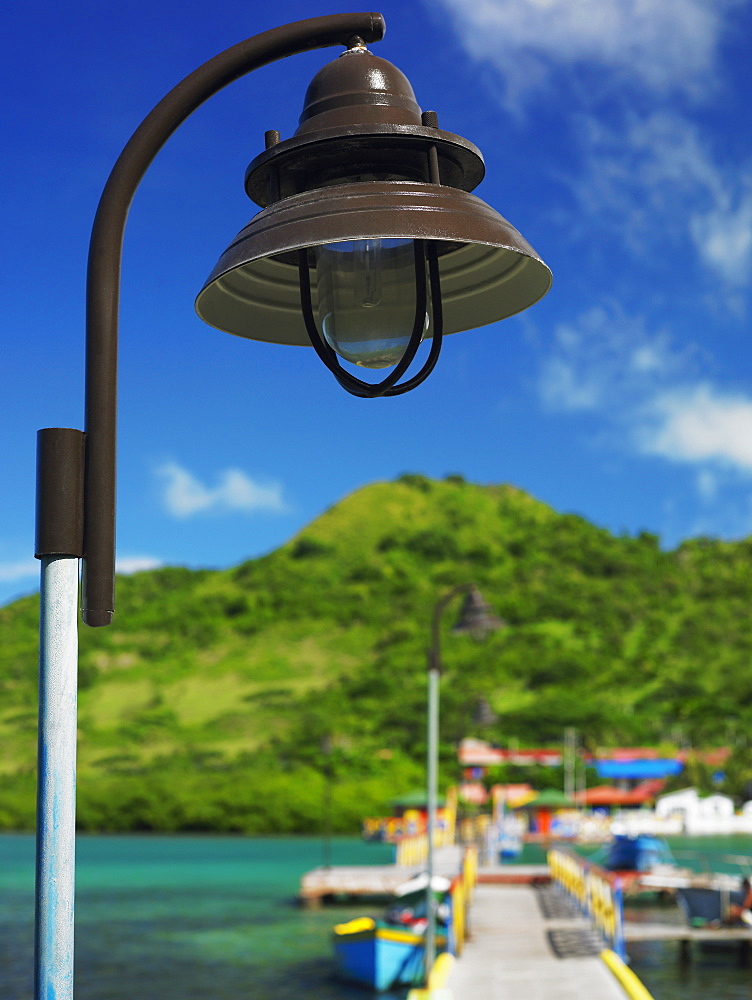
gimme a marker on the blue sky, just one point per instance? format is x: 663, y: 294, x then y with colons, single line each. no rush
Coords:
x: 617, y: 139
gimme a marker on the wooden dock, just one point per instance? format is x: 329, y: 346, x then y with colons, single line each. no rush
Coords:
x: 377, y: 881
x: 516, y: 951
x: 680, y: 932
x: 686, y: 937
x: 514, y: 875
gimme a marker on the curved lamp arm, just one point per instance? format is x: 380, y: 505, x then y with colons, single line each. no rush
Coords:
x: 103, y: 279
x: 434, y: 653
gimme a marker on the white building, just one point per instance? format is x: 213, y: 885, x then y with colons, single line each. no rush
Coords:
x: 713, y: 814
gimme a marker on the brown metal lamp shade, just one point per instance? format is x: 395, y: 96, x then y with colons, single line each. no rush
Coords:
x: 488, y: 270
x: 366, y: 165
x: 476, y: 617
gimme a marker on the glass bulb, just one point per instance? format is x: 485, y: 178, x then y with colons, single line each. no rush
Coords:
x: 366, y: 295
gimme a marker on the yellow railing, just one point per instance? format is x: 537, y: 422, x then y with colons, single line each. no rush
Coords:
x: 597, y: 893
x: 413, y: 823
x: 473, y: 829
x: 412, y: 851
x: 437, y: 980
x: 461, y: 892
x: 628, y: 981
x: 390, y: 828
x: 450, y: 814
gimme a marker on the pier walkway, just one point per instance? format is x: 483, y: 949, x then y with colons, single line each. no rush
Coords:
x: 372, y: 880
x: 524, y: 944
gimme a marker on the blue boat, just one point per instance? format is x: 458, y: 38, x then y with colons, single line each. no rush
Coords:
x: 636, y: 853
x: 703, y: 906
x: 387, y: 953
x: 379, y: 955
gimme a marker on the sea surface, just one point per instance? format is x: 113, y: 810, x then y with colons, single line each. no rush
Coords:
x: 713, y: 973
x: 215, y: 918
x: 185, y: 918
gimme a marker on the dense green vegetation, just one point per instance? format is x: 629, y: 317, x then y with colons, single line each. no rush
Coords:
x: 221, y: 699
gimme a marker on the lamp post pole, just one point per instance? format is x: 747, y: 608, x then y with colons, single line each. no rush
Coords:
x: 327, y: 745
x: 432, y: 767
x: 56, y: 808
x: 76, y: 485
x: 477, y: 619
x: 59, y: 544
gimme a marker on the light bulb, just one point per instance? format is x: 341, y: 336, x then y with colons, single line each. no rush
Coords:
x: 366, y: 299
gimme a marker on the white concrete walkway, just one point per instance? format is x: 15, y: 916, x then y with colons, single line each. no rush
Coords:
x: 508, y: 956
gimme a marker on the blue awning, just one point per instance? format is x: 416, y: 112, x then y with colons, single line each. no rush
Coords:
x: 638, y: 770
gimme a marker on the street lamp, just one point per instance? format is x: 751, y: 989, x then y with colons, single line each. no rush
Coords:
x: 478, y: 620
x: 373, y: 199
x: 368, y: 241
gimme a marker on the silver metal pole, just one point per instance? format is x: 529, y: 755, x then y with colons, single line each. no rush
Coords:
x: 477, y: 620
x: 432, y: 781
x: 570, y: 736
x: 56, y: 790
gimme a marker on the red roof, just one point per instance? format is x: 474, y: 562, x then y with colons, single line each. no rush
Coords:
x: 608, y: 795
x: 603, y: 795
x: 646, y: 790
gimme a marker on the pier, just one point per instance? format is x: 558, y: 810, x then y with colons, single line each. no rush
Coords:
x: 376, y: 881
x: 686, y: 937
x: 551, y: 931
x: 516, y: 950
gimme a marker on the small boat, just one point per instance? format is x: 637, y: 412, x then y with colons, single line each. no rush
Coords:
x: 389, y: 952
x: 704, y: 906
x: 380, y: 955
x: 640, y: 854
x: 510, y: 838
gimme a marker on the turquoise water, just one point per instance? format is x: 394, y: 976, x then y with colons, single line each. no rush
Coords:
x: 183, y: 918
x: 214, y: 918
x: 713, y: 973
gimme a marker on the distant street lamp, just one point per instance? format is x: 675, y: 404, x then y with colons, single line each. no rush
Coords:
x: 483, y: 714
x: 478, y: 620
x: 368, y: 242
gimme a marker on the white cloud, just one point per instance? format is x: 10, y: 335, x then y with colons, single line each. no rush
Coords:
x: 24, y: 569
x: 698, y: 425
x: 652, y: 177
x: 136, y: 564
x: 723, y: 235
x: 21, y: 569
x: 184, y: 495
x: 606, y: 360
x: 563, y: 387
x: 610, y: 363
x: 707, y: 484
x: 655, y: 179
x: 650, y: 398
x: 665, y: 46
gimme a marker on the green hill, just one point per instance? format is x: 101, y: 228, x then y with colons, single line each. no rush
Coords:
x: 208, y: 703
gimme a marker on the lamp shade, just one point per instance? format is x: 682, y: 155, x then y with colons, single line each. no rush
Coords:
x: 476, y: 617
x: 366, y: 164
x: 488, y: 270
